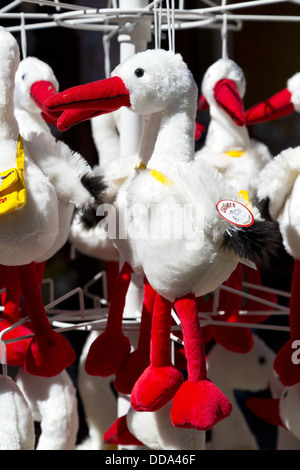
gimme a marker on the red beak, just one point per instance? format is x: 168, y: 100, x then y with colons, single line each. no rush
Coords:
x: 40, y: 92
x: 275, y: 107
x: 228, y: 98
x: 203, y: 104
x: 83, y: 102
x: 265, y: 408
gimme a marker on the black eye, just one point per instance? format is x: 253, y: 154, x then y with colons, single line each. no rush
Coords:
x: 139, y: 73
x: 23, y: 76
x: 262, y: 360
x: 285, y: 394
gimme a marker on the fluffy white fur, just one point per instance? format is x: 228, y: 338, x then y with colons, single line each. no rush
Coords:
x: 280, y: 182
x: 224, y: 135
x: 16, y: 421
x: 233, y: 371
x: 156, y: 431
x: 53, y: 404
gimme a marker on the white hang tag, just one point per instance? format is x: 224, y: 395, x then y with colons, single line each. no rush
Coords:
x: 235, y: 213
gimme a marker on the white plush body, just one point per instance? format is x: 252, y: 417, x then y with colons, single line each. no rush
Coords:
x: 16, y: 421
x: 156, y: 431
x: 193, y: 262
x: 280, y: 182
x: 233, y: 371
x: 98, y: 399
x: 53, y: 404
x: 223, y: 135
x: 27, y: 233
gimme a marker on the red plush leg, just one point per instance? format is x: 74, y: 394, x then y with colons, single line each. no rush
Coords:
x: 49, y: 353
x: 110, y: 350
x: 140, y: 358
x: 233, y: 338
x: 15, y: 351
x: 160, y: 381
x: 254, y: 277
x: 118, y: 433
x: 289, y: 372
x: 198, y: 404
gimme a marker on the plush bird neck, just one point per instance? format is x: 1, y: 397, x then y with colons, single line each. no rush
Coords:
x: 175, y: 139
x: 223, y: 134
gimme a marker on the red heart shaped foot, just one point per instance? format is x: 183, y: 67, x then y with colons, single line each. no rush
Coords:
x: 130, y: 371
x: 286, y: 366
x: 48, y: 354
x: 118, y: 433
x: 16, y: 351
x: 107, y: 354
x: 199, y: 405
x: 155, y: 387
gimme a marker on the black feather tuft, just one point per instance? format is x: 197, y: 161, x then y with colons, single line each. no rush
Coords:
x: 263, y: 206
x: 95, y: 185
x: 257, y: 243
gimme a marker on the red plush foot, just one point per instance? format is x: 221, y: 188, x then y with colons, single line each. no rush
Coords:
x: 17, y: 350
x: 288, y: 372
x: 130, y: 371
x: 118, y: 433
x: 235, y: 339
x: 48, y: 354
x: 107, y: 354
x: 199, y: 405
x: 155, y: 387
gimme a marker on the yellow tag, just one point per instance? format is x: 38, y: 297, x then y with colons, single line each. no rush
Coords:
x: 244, y: 194
x: 12, y: 185
x: 235, y: 153
x: 161, y: 178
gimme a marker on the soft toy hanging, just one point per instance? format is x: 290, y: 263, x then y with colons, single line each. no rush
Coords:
x: 229, y: 149
x: 278, y: 185
x: 29, y: 222
x: 53, y: 404
x: 16, y: 421
x: 233, y: 372
x: 151, y: 82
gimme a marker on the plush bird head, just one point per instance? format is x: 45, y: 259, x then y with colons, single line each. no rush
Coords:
x: 149, y: 82
x: 224, y: 86
x: 35, y: 82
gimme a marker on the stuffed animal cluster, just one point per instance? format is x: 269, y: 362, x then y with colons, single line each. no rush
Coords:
x: 185, y: 223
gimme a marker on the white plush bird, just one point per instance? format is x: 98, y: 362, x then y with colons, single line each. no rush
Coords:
x: 228, y: 146
x: 208, y: 248
x: 29, y: 221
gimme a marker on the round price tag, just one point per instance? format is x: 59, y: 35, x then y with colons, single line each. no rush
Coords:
x: 235, y: 213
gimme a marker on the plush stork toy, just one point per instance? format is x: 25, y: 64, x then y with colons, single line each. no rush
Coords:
x: 158, y: 81
x: 230, y: 150
x: 279, y: 185
x: 29, y: 222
